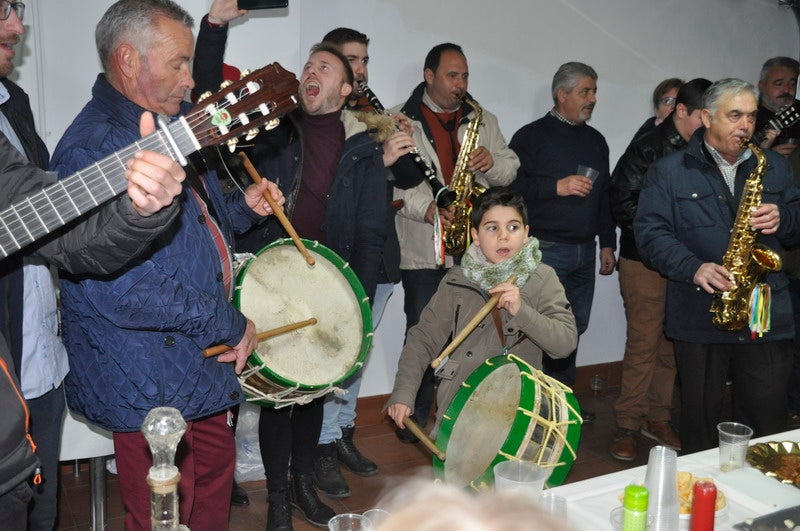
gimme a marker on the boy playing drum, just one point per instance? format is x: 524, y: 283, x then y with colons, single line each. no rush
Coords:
x: 532, y: 315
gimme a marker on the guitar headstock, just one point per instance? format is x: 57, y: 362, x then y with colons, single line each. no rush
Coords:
x: 787, y: 116
x: 243, y: 106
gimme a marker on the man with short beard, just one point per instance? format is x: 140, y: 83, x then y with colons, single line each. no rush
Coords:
x: 568, y: 210
x: 333, y: 176
x: 777, y: 87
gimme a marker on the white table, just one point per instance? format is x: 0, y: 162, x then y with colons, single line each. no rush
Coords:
x: 749, y: 492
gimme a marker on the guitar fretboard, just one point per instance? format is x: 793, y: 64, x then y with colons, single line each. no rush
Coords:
x: 43, y: 212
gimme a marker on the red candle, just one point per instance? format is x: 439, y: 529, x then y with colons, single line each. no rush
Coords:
x: 704, y: 499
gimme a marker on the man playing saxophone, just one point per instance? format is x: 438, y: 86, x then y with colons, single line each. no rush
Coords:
x: 440, y: 118
x: 687, y: 212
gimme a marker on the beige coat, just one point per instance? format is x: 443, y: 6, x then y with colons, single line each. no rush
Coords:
x: 415, y: 235
x: 544, y: 318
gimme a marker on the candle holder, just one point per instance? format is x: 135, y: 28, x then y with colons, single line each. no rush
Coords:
x: 163, y: 428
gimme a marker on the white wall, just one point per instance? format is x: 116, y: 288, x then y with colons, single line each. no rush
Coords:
x: 513, y: 48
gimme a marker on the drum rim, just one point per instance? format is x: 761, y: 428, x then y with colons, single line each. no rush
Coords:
x: 521, y: 427
x: 361, y: 297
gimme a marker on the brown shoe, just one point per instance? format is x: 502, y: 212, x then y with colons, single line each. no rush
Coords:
x: 624, y: 447
x: 662, y: 433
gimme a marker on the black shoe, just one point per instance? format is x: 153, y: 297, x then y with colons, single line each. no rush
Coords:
x: 405, y: 436
x: 279, y: 513
x: 327, y: 475
x: 588, y: 416
x: 305, y: 499
x: 350, y: 457
x: 239, y: 496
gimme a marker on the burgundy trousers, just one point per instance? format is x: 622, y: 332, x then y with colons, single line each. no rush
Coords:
x: 206, y: 457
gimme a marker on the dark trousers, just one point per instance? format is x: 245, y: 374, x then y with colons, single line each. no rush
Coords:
x: 419, y: 286
x: 206, y: 457
x: 760, y: 374
x: 794, y: 380
x: 289, y: 435
x: 575, y: 265
x: 14, y: 507
x: 47, y: 417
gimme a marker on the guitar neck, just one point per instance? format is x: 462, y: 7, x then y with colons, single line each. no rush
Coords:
x: 43, y: 212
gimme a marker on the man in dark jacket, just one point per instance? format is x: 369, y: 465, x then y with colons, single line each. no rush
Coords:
x: 135, y: 339
x: 568, y: 210
x: 777, y: 89
x: 39, y: 358
x: 687, y: 209
x: 333, y: 176
x: 648, y: 367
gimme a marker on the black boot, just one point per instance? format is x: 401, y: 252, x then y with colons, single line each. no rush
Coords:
x: 279, y: 514
x: 326, y: 472
x: 239, y: 496
x: 350, y: 457
x: 304, y: 497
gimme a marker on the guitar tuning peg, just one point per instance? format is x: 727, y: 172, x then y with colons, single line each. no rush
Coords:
x: 272, y: 124
x: 225, y: 84
x: 204, y: 95
x: 245, y: 73
x: 251, y: 134
x: 232, y: 144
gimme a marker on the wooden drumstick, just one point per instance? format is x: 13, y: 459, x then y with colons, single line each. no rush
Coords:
x: 277, y: 210
x: 219, y: 349
x: 422, y: 436
x: 482, y: 313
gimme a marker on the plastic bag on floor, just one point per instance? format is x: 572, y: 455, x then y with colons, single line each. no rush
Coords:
x: 249, y: 466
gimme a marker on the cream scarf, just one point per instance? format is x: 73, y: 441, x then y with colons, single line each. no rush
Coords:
x: 487, y: 275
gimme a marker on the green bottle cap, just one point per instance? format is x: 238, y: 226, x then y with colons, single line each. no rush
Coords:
x: 635, y: 498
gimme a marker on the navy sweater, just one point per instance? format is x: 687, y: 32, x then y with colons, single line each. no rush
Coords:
x: 549, y: 150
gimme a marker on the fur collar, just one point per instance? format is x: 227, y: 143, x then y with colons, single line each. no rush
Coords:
x: 487, y: 275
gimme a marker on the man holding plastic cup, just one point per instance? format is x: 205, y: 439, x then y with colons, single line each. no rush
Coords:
x: 564, y: 179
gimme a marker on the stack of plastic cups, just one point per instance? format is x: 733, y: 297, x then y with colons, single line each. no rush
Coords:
x: 661, y: 481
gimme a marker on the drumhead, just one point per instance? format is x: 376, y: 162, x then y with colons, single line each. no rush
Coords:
x: 278, y: 287
x: 504, y: 410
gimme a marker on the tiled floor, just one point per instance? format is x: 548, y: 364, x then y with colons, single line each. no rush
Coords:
x: 396, y: 461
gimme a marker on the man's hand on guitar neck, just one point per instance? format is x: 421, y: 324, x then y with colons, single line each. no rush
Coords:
x: 153, y: 179
x: 784, y: 149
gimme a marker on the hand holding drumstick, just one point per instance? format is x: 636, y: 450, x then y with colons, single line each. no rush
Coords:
x: 499, y: 292
x: 277, y: 211
x: 401, y: 415
x: 261, y: 336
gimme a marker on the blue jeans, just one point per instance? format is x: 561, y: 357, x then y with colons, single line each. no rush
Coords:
x: 575, y: 265
x: 340, y: 411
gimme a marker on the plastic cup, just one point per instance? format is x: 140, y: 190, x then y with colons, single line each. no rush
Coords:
x: 661, y: 480
x: 376, y: 516
x: 554, y: 504
x: 733, y: 441
x: 523, y: 476
x: 349, y: 522
x: 617, y: 515
x: 586, y: 171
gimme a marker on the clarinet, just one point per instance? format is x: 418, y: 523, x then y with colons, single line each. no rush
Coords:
x: 444, y: 196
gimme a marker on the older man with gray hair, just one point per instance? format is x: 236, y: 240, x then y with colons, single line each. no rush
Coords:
x: 687, y: 209
x: 564, y: 179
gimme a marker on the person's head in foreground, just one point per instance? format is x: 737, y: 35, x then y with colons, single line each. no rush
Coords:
x: 424, y: 506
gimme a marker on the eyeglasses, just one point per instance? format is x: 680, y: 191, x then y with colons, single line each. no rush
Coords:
x: 667, y: 100
x: 6, y: 7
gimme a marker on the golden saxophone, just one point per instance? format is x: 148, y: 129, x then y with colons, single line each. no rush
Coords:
x: 746, y: 261
x: 463, y: 184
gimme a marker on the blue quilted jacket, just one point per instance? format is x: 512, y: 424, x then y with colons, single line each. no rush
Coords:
x: 135, y: 338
